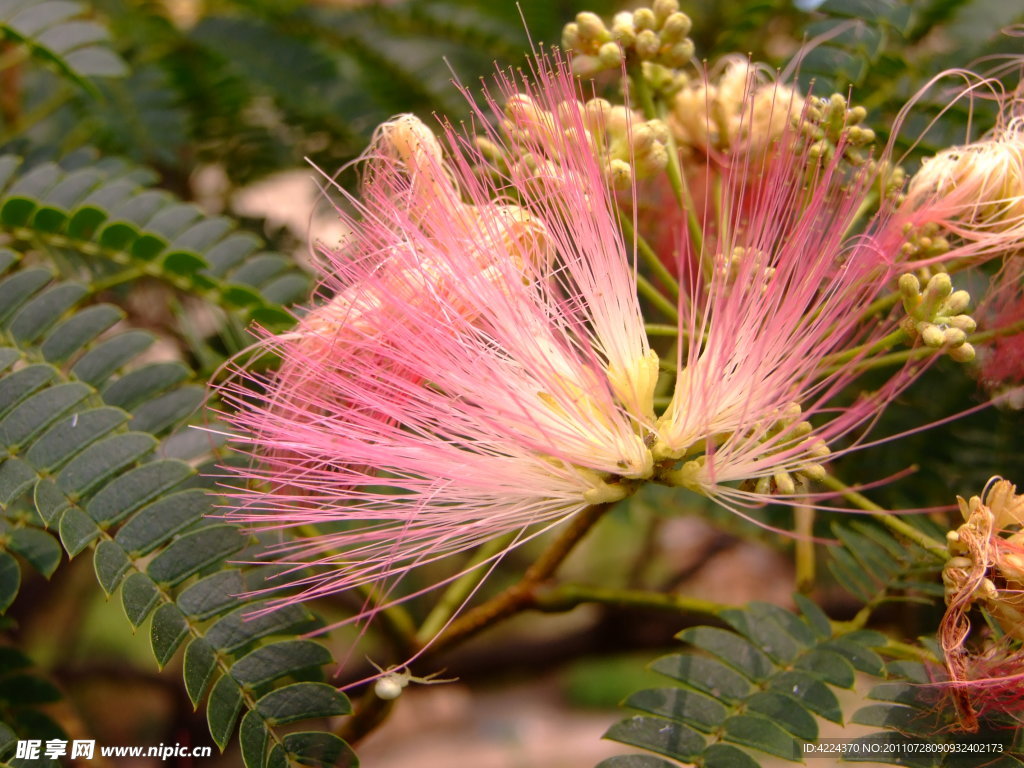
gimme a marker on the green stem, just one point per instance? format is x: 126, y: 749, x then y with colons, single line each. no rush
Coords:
x: 651, y: 111
x: 655, y: 329
x: 900, y: 650
x: 805, y: 561
x: 650, y: 258
x: 460, y: 589
x: 835, y: 361
x: 118, y: 278
x: 646, y: 289
x: 889, y: 520
x: 565, y: 597
x: 521, y: 596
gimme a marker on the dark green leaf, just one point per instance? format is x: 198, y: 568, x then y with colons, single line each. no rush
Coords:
x: 828, y: 666
x: 301, y: 701
x: 10, y: 580
x: 77, y: 530
x: 199, y: 665
x: 704, y: 674
x: 863, y: 659
x: 815, y: 617
x: 16, y: 477
x: 662, y: 736
x: 786, y: 711
x: 100, y: 362
x: 154, y: 525
x: 78, y: 330
x: 100, y: 461
x: 167, y: 410
x: 253, y: 738
x: 111, y: 564
x: 143, y: 383
x: 222, y: 709
x: 906, y: 720
x: 761, y: 733
x: 169, y: 630
x: 635, y: 761
x: 39, y: 548
x: 194, y: 551
x: 17, y: 386
x: 241, y: 627
x: 28, y: 689
x: 773, y: 630
x: 38, y: 412
x: 44, y: 310
x: 727, y: 756
x: 734, y: 650
x: 212, y: 594
x: 138, y: 596
x: 72, y: 434
x: 50, y: 501
x: 315, y: 748
x: 132, y: 490
x: 19, y: 287
x: 269, y: 662
x: 814, y: 694
x: 681, y: 705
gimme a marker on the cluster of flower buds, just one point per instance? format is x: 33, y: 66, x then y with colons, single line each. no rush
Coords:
x: 923, y: 242
x: 627, y: 145
x: 832, y: 124
x: 936, y: 314
x: 738, y: 112
x: 657, y: 34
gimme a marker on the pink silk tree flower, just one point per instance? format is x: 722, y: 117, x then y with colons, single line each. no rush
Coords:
x: 479, y: 366
x: 773, y: 291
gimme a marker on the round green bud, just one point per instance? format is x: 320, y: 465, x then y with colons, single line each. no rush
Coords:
x: 663, y: 9
x: 644, y: 18
x: 909, y: 285
x: 962, y: 354
x: 647, y: 44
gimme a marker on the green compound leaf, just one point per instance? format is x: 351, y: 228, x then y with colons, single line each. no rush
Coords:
x: 81, y: 424
x: 301, y: 701
x: 10, y: 580
x: 760, y: 686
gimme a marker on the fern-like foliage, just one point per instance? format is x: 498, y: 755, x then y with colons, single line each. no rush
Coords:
x: 759, y: 689
x: 876, y: 567
x: 760, y: 685
x: 55, y: 32
x: 80, y: 429
x: 113, y: 225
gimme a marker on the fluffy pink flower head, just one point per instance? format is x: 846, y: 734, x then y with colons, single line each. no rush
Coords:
x: 774, y: 289
x: 479, y: 367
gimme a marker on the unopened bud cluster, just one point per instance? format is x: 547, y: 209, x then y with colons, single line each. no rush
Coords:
x: 923, y: 242
x: 657, y: 34
x: 739, y: 112
x: 833, y: 125
x: 936, y: 314
x: 627, y: 145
